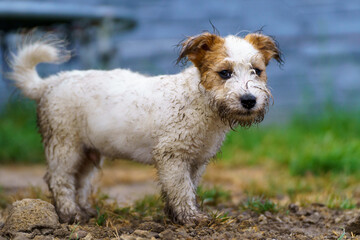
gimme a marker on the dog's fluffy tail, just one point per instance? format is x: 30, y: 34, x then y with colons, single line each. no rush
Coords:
x: 28, y: 56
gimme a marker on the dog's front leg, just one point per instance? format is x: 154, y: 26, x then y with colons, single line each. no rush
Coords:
x: 178, y: 189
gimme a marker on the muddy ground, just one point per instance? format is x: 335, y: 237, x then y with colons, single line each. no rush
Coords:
x: 230, y: 219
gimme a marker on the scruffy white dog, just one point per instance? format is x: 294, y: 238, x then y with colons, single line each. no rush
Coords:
x: 176, y: 122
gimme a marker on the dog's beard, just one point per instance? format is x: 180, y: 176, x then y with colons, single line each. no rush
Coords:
x: 235, y: 116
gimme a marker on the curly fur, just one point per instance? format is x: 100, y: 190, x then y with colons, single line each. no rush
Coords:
x: 176, y: 122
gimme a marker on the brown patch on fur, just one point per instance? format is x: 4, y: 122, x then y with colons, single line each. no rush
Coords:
x: 206, y: 51
x: 259, y: 63
x: 266, y: 45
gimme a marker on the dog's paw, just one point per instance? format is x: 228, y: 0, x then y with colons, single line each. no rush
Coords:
x: 82, y: 217
x: 78, y: 216
x: 91, y: 212
x: 66, y: 218
x: 190, y: 218
x: 198, y: 218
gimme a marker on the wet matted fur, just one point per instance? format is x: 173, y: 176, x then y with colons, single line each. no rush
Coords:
x: 176, y: 122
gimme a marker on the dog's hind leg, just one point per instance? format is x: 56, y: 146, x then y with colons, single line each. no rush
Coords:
x: 88, y: 169
x: 63, y: 161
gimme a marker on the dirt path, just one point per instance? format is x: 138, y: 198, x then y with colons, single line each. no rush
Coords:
x: 125, y: 182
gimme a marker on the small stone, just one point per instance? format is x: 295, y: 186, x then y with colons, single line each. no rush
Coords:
x: 268, y: 214
x: 47, y: 231
x: 22, y: 236
x: 167, y: 234
x: 144, y: 234
x: 262, y: 219
x: 182, y: 233
x: 127, y: 230
x: 36, y: 232
x: 151, y: 226
x: 78, y: 234
x: 127, y: 237
x: 353, y: 225
x: 314, y: 218
x: 41, y: 237
x: 279, y: 219
x: 318, y: 205
x: 88, y: 237
x: 61, y: 232
x: 338, y: 219
x: 81, y: 234
x: 293, y: 208
x: 190, y: 225
x: 148, y: 219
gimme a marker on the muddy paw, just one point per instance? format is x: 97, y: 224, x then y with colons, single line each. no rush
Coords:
x: 91, y: 212
x: 194, y: 218
x: 82, y: 217
x: 66, y: 218
x: 77, y: 216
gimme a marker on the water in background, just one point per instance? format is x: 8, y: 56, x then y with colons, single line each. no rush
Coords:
x: 320, y: 40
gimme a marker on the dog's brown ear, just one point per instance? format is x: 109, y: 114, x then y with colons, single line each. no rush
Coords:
x: 195, y: 48
x: 266, y: 45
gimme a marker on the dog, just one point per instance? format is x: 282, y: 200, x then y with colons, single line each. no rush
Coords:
x: 175, y: 122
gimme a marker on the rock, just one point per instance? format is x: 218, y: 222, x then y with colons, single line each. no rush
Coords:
x: 30, y: 214
x: 314, y: 218
x: 78, y: 234
x: 167, y: 235
x: 127, y: 237
x: 148, y: 218
x: 145, y: 234
x: 262, y: 219
x: 61, y: 232
x: 293, y: 208
x: 43, y: 237
x: 22, y: 236
x: 268, y: 214
x: 338, y: 219
x: 88, y: 237
x: 353, y: 226
x: 181, y: 232
x: 46, y: 231
x: 36, y: 232
x: 151, y: 226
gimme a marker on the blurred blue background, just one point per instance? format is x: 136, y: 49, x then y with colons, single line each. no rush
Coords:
x: 320, y: 40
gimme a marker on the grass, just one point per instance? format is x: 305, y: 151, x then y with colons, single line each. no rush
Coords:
x: 19, y: 139
x: 150, y: 205
x: 212, y: 196
x: 259, y: 205
x: 315, y: 144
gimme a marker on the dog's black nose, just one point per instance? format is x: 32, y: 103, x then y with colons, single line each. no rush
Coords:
x: 248, y: 101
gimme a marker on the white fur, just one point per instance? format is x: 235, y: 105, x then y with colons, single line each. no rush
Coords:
x: 164, y: 120
x: 242, y: 53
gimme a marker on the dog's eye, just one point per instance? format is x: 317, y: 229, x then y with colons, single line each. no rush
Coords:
x: 225, y: 74
x: 257, y: 71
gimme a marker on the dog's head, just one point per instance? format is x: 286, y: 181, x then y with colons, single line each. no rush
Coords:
x: 233, y: 73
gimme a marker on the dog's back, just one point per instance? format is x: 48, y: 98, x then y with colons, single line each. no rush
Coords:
x: 178, y: 122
